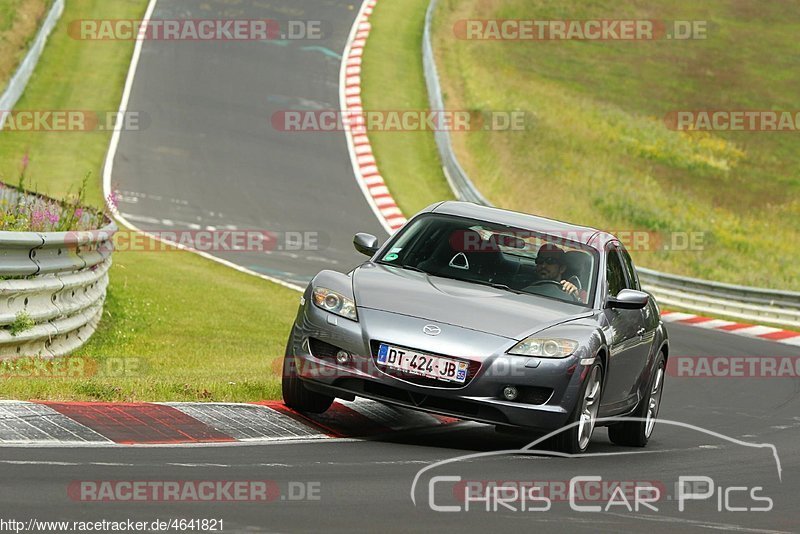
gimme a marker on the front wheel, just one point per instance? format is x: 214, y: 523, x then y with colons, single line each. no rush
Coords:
x: 575, y: 439
x: 637, y: 432
x: 295, y: 393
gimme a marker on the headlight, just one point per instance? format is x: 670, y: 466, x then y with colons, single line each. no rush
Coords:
x: 334, y: 302
x: 545, y: 347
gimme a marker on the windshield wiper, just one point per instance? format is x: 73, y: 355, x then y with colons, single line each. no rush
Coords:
x: 497, y: 286
x: 414, y: 268
x: 401, y: 266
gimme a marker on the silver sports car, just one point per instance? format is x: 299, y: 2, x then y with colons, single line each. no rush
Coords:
x: 488, y: 315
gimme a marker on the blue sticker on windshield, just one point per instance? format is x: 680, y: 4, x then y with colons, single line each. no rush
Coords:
x: 390, y: 257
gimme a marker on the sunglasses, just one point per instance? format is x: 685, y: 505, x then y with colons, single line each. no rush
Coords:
x: 548, y: 260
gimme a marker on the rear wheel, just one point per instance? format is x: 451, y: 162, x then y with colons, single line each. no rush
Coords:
x: 637, y: 432
x: 295, y: 393
x: 576, y: 438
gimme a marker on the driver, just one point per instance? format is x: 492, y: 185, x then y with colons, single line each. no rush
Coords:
x: 550, y: 265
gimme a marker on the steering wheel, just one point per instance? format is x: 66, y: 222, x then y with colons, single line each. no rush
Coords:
x: 542, y: 282
x: 556, y: 284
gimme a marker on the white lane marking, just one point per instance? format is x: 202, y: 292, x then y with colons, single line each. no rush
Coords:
x: 108, y: 169
x: 111, y: 444
x: 37, y: 462
x: 142, y: 218
x: 123, y: 105
x: 280, y: 464
x: 697, y: 523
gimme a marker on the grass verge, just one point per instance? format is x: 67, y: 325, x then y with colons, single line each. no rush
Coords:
x: 184, y: 328
x: 597, y: 151
x: 393, y: 80
x: 19, y: 22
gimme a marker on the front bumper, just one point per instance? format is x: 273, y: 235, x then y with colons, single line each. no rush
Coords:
x: 554, y: 383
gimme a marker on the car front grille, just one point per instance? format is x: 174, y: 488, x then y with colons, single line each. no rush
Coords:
x: 472, y: 370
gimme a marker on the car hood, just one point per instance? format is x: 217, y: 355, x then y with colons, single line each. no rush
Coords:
x: 443, y: 300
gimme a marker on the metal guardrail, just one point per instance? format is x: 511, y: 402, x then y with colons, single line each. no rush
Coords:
x: 459, y: 182
x: 25, y: 70
x: 717, y: 298
x: 749, y: 303
x: 56, y: 282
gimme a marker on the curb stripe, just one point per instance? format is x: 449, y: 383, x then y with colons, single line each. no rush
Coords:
x: 127, y: 423
x: 695, y: 320
x: 366, y: 171
x: 781, y: 334
x: 767, y: 333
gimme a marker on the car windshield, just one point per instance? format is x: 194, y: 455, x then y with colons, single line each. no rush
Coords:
x: 511, y: 259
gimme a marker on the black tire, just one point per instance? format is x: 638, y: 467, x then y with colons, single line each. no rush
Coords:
x: 573, y: 440
x: 637, y: 432
x: 295, y: 393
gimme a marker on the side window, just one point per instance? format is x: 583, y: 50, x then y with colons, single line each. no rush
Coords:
x: 627, y: 263
x: 615, y: 273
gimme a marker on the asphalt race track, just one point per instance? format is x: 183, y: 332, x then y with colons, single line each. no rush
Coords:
x: 210, y: 158
x: 365, y: 485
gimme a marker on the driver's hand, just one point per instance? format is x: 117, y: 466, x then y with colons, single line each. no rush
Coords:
x: 569, y: 287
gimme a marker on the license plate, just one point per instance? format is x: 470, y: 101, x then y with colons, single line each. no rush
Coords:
x: 426, y: 365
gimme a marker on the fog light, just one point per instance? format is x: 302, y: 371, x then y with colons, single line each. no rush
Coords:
x: 510, y: 393
x: 342, y: 357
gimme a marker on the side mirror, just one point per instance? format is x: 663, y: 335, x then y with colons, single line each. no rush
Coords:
x: 628, y: 299
x: 366, y: 244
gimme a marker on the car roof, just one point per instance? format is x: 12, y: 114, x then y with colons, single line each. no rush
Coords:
x: 581, y: 234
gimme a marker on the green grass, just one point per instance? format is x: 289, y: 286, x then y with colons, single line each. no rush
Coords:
x: 71, y: 75
x: 189, y: 329
x: 596, y: 150
x: 393, y: 80
x: 194, y: 329
x: 19, y: 22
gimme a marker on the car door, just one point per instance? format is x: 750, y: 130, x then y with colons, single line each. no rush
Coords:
x: 650, y: 313
x: 628, y: 353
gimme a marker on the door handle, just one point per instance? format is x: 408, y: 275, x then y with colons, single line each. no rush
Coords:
x: 640, y: 332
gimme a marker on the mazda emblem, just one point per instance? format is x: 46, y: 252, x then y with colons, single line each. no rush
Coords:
x: 431, y: 330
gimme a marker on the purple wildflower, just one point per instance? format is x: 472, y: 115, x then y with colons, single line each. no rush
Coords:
x: 113, y: 199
